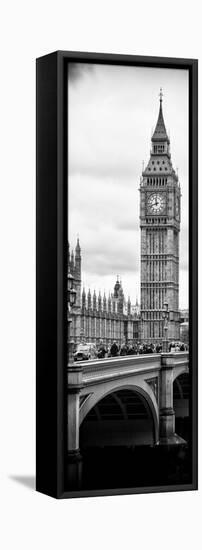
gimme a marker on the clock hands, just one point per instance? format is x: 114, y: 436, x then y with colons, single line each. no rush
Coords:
x: 157, y: 203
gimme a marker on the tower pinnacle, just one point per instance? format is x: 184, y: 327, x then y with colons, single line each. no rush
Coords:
x: 161, y: 95
x: 77, y: 249
x: 160, y: 133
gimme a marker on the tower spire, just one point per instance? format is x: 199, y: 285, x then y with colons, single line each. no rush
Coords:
x: 78, y: 248
x: 160, y: 133
x: 161, y: 95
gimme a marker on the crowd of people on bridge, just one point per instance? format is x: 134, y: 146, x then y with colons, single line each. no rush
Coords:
x: 91, y: 351
x: 136, y: 349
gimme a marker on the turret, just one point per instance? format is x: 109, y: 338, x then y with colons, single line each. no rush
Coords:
x: 99, y: 302
x: 77, y: 249
x: 109, y: 304
x: 160, y: 139
x: 89, y: 299
x: 104, y: 303
x: 159, y: 167
x: 78, y: 258
x: 117, y: 287
x: 120, y: 300
x: 94, y: 301
x: 83, y: 299
x: 72, y: 262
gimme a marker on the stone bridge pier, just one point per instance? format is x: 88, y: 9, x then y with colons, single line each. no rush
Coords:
x: 167, y: 435
x: 149, y: 376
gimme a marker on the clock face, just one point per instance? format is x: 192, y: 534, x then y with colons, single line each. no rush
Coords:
x: 156, y: 203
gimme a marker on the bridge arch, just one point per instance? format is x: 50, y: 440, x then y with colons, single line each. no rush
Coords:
x: 180, y: 369
x: 181, y: 395
x: 144, y: 392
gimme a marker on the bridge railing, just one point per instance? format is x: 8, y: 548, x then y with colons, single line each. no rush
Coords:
x: 127, y: 360
x: 135, y: 360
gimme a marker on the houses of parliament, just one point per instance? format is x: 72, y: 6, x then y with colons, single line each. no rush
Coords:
x: 96, y: 317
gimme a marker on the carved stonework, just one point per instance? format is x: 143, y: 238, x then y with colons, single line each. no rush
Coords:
x: 154, y: 385
x: 83, y: 399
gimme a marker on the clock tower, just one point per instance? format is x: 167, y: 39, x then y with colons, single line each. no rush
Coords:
x: 160, y: 226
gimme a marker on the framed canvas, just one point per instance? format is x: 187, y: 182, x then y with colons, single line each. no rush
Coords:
x: 116, y: 375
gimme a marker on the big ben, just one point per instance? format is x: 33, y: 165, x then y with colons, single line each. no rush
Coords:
x: 160, y: 197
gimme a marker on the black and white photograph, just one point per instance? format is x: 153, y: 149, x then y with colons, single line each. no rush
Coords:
x: 129, y: 382
x: 100, y: 393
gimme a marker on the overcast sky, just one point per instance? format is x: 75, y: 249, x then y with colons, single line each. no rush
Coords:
x: 112, y: 111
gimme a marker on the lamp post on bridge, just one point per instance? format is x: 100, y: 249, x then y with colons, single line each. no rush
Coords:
x: 142, y: 326
x: 166, y: 318
x: 74, y: 380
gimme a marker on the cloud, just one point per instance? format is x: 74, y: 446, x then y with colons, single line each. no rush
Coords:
x: 128, y: 225
x: 78, y: 70
x: 95, y: 203
x: 112, y: 256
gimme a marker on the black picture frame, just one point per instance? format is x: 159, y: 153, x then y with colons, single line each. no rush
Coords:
x: 51, y: 274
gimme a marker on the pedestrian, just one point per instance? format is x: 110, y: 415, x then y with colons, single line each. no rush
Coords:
x: 123, y: 350
x: 135, y: 349
x: 130, y: 350
x: 101, y: 351
x: 114, y: 349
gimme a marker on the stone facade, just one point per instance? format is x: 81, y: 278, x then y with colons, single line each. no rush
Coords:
x: 160, y: 225
x: 95, y: 317
x: 74, y: 260
x: 184, y: 326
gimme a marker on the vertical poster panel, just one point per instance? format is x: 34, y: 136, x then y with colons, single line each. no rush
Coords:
x: 128, y: 277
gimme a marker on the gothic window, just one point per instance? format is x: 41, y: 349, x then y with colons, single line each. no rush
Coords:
x: 160, y: 148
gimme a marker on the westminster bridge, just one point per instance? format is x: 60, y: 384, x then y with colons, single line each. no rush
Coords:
x: 129, y: 400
